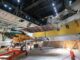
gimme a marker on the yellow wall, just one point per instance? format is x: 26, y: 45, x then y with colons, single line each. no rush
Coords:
x: 73, y: 29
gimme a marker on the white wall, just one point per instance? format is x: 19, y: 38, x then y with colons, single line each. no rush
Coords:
x: 66, y: 37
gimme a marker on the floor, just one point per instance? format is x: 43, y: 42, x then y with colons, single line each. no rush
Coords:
x: 50, y: 54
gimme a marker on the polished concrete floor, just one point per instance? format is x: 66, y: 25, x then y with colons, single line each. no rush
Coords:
x: 50, y: 54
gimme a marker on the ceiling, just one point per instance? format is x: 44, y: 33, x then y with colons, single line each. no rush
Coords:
x: 34, y: 10
x: 39, y: 28
x: 8, y: 20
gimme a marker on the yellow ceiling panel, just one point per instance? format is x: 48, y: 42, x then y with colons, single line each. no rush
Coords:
x: 73, y: 29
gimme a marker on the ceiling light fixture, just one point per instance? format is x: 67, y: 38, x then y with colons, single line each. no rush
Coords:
x: 26, y: 17
x: 55, y: 9
x: 18, y: 1
x: 70, y: 3
x: 10, y: 8
x: 53, y: 4
x: 5, y: 5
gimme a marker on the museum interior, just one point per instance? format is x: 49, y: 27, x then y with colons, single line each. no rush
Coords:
x: 39, y: 29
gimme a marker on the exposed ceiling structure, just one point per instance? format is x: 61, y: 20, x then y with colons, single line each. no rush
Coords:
x: 35, y: 11
x: 39, y: 28
x: 38, y: 15
x: 9, y: 20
